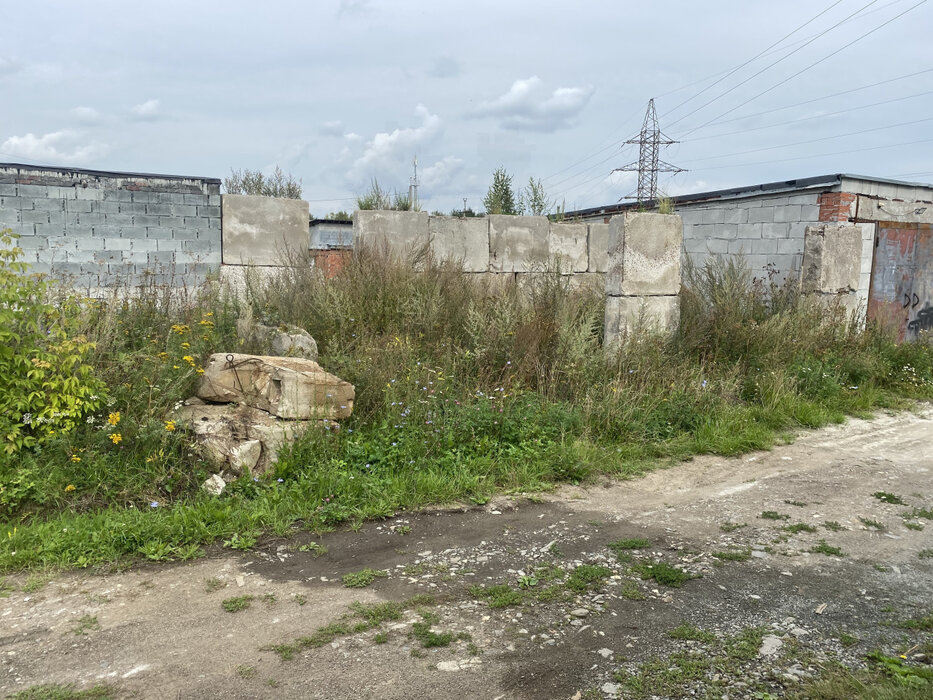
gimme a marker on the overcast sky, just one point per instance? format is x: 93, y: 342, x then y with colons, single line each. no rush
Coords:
x: 338, y: 92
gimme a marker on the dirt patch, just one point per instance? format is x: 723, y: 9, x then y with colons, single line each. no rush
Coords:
x: 533, y: 599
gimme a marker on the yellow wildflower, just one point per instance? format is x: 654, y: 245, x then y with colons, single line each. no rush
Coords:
x: 75, y: 458
x: 114, y: 418
x: 170, y: 426
x: 186, y: 345
x: 163, y: 355
x: 115, y: 438
x: 69, y: 488
x: 200, y: 370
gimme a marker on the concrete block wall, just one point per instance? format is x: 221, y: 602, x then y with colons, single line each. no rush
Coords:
x: 496, y: 244
x: 96, y: 229
x: 768, y: 232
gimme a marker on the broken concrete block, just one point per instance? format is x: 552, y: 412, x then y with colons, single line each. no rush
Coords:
x: 402, y: 232
x: 625, y: 315
x: 215, y: 485
x: 283, y: 341
x: 287, y: 387
x: 245, y: 456
x: 644, y: 254
x: 263, y: 230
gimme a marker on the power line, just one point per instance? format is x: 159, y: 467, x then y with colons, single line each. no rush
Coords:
x: 823, y: 138
x: 770, y: 65
x: 815, y: 63
x: 752, y: 59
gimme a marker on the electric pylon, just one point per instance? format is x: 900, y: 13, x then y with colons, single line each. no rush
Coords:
x: 649, y: 164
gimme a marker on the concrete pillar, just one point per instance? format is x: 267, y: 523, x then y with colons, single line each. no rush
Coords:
x: 832, y: 257
x: 643, y: 276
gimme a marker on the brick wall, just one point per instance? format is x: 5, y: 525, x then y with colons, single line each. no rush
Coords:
x: 97, y: 229
x: 836, y: 206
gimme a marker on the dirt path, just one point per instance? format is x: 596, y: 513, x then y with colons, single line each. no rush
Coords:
x: 161, y: 631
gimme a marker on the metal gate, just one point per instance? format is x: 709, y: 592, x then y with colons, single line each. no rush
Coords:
x: 901, y: 292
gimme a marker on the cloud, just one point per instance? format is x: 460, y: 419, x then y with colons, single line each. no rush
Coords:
x: 444, y: 67
x: 9, y: 66
x: 528, y: 106
x: 332, y: 128
x: 389, y: 150
x: 86, y: 115
x: 439, y: 175
x: 146, y: 111
x: 352, y: 7
x: 63, y: 146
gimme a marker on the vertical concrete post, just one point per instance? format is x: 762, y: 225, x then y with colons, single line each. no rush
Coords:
x: 643, y: 276
x: 832, y: 256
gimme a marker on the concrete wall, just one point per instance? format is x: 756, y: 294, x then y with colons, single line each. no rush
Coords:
x: 263, y: 230
x: 98, y: 229
x: 495, y: 244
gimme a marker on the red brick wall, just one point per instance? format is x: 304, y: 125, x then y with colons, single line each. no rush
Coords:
x: 331, y: 262
x: 834, y: 206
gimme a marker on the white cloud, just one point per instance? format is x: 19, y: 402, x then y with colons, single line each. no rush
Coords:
x: 9, y: 66
x: 352, y: 7
x: 529, y: 106
x: 86, y: 115
x: 63, y: 146
x: 147, y: 110
x: 389, y: 150
x: 331, y: 128
x: 439, y: 175
x: 352, y: 137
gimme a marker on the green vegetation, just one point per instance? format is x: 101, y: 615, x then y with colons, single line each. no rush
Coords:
x: 55, y: 691
x: 892, y: 498
x: 498, y: 596
x: 773, y: 515
x: 500, y: 199
x: 254, y: 182
x: 462, y: 392
x: 237, y: 603
x: 797, y: 528
x: 731, y: 527
x: 626, y: 545
x: 925, y: 513
x: 86, y: 624
x: 872, y: 524
x: 924, y: 623
x: 833, y: 526
x: 663, y: 573
x: 692, y: 633
x: 362, y: 578
x: 587, y: 576
x: 734, y: 555
x: 822, y: 547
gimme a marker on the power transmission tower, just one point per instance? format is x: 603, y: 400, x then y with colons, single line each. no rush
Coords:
x: 649, y: 164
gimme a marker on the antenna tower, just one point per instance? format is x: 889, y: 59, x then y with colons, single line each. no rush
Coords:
x: 413, y: 186
x: 649, y: 164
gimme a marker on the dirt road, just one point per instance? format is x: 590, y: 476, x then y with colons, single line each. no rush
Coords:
x: 800, y: 557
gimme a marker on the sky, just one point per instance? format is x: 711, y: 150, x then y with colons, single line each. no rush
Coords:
x: 339, y: 92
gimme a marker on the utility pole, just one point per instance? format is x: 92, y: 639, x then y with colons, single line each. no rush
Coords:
x: 413, y: 186
x: 649, y: 141
x: 463, y: 213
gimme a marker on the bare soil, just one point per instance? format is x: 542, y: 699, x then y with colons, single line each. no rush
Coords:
x: 159, y: 631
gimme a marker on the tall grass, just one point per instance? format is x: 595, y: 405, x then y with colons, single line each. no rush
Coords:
x: 465, y: 386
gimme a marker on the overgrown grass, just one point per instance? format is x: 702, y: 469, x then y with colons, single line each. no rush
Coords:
x: 463, y: 390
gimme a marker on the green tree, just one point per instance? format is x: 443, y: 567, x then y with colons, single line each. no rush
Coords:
x: 379, y: 198
x: 499, y: 198
x: 253, y: 182
x: 534, y: 200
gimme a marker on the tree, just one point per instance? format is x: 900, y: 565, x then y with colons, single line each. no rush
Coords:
x: 253, y: 182
x: 534, y: 200
x: 499, y: 198
x: 379, y: 198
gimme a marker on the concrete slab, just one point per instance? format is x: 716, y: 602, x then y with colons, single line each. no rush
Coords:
x: 403, y: 232
x: 518, y: 243
x: 599, y: 247
x: 627, y: 315
x: 567, y: 244
x: 831, y: 259
x: 263, y: 230
x: 644, y: 254
x: 887, y: 210
x: 462, y: 239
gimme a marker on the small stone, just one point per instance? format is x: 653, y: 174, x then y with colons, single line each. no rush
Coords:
x: 605, y: 653
x: 612, y: 689
x: 215, y: 485
x: 448, y: 666
x: 759, y: 555
x: 579, y: 612
x: 770, y: 646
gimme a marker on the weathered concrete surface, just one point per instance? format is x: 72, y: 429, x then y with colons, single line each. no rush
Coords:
x: 239, y: 439
x: 831, y: 259
x: 644, y: 254
x: 263, y: 230
x: 287, y: 387
x: 625, y: 315
x: 567, y: 244
x: 465, y: 240
x: 598, y: 247
x: 887, y: 210
x: 402, y: 232
x: 518, y: 243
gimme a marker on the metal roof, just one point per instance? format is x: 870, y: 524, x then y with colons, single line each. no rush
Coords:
x: 106, y: 173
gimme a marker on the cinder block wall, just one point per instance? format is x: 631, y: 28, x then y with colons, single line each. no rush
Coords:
x: 100, y: 229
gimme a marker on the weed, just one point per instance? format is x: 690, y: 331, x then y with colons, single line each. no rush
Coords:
x: 526, y: 582
x: 630, y: 591
x: 428, y: 638
x: 797, y: 528
x: 891, y: 498
x: 734, y: 555
x: 300, y: 599
x: 55, y: 691
x: 880, y: 567
x: 313, y: 547
x: 822, y: 547
x: 473, y: 650
x: 35, y: 583
x: 689, y: 632
x: 731, y: 527
x: 925, y: 513
x: 241, y: 542
x: 269, y: 599
x: 212, y: 585
x: 872, y: 524
x: 913, y: 526
x: 833, y: 526
x: 499, y: 596
x: 848, y: 640
x: 86, y: 624
x: 773, y: 515
x: 628, y: 545
x: 5, y: 588
x: 587, y: 576
x: 362, y: 578
x: 245, y: 671
x: 237, y: 603
x: 555, y: 550
x: 662, y: 573
x: 925, y: 554
x: 798, y: 504
x: 403, y: 530
x: 380, y: 637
